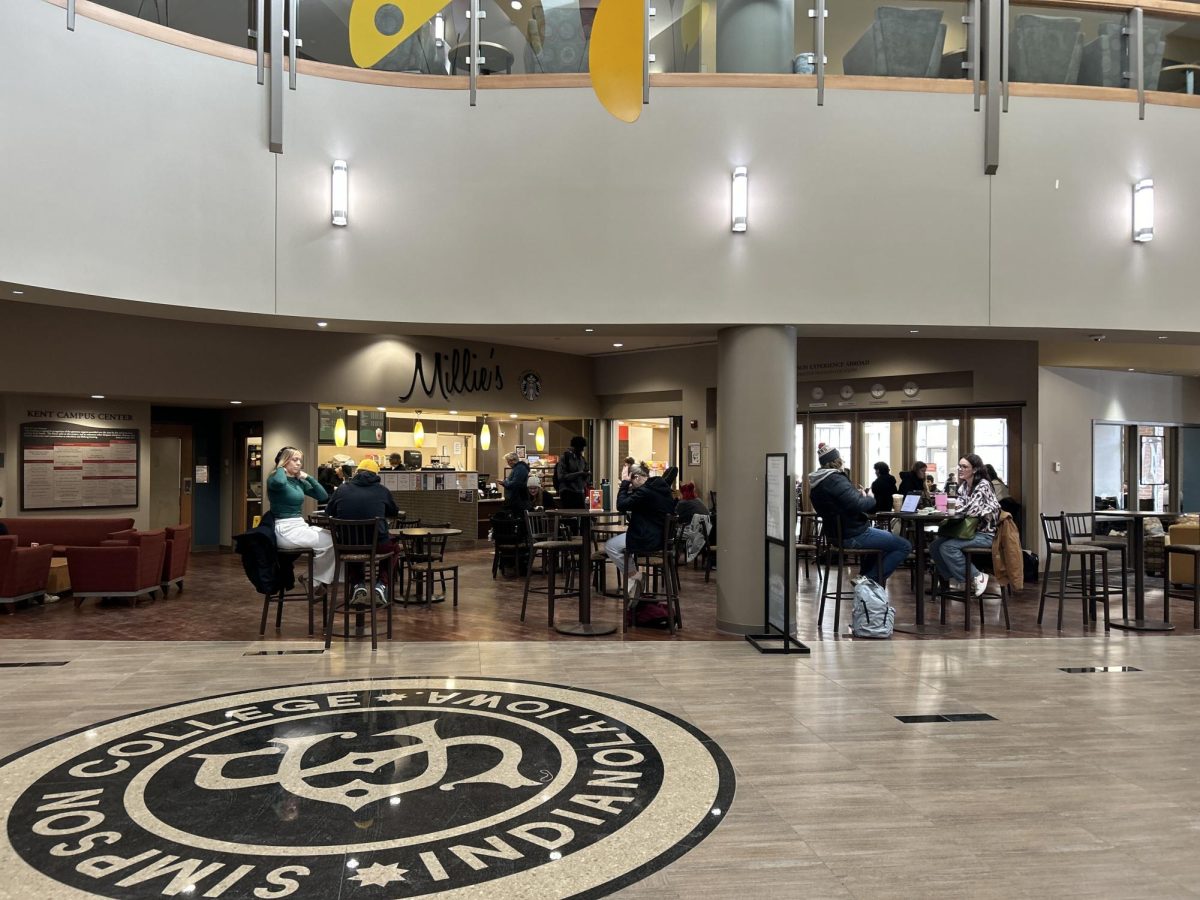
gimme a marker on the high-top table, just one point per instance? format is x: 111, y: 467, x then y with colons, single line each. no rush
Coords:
x: 1137, y: 550
x: 920, y: 519
x: 585, y: 626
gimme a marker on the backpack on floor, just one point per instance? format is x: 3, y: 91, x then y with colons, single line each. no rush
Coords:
x: 651, y: 614
x: 1031, y: 565
x: 873, y: 617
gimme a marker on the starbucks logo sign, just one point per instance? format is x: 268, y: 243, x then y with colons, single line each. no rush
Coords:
x: 397, y: 787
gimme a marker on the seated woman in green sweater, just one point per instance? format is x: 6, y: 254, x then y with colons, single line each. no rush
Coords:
x: 287, y: 487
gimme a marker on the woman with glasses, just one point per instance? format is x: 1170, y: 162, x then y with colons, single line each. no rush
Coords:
x: 976, y: 500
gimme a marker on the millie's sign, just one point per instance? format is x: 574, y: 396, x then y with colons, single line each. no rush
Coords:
x: 459, y: 372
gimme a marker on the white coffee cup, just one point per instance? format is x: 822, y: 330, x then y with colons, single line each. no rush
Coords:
x: 897, y: 502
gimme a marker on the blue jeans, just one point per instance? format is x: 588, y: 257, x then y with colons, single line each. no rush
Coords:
x: 947, y: 554
x: 895, y: 551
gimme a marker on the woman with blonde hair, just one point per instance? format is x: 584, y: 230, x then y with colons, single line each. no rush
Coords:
x: 287, y: 487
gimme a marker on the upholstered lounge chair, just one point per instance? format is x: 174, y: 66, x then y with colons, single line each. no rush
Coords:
x: 900, y: 42
x: 1046, y: 49
x: 130, y: 566
x: 1103, y: 62
x: 23, y: 570
x: 175, y: 560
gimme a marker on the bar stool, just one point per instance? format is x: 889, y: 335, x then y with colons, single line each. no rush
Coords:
x: 806, y: 540
x: 1169, y: 593
x: 659, y: 562
x: 981, y: 559
x: 845, y: 555
x: 1058, y: 541
x: 356, y: 541
x: 282, y: 596
x: 542, y: 538
x: 1082, y: 528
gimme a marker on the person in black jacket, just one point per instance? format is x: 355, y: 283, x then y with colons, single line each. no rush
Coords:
x: 835, y: 499
x: 649, y: 503
x: 365, y: 497
x: 913, y: 481
x: 883, y: 487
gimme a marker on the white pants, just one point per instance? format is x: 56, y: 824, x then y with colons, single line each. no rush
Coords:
x: 615, y: 548
x: 296, y: 534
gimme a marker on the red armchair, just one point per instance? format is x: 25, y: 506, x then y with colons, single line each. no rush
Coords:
x: 23, y: 570
x: 127, y: 567
x: 179, y: 546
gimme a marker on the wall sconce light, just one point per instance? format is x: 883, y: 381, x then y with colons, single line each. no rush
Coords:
x: 539, y: 437
x: 418, y: 432
x: 340, y: 205
x: 485, y: 435
x: 1143, y: 210
x: 741, y: 197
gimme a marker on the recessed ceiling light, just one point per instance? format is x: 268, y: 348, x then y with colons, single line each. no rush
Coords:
x: 618, y: 345
x: 97, y: 396
x: 1131, y: 370
x: 512, y: 415
x: 515, y: 4
x: 381, y: 408
x: 453, y: 412
x: 914, y: 331
x: 1162, y: 337
x: 589, y: 330
x: 18, y: 293
x: 322, y: 324
x: 235, y: 402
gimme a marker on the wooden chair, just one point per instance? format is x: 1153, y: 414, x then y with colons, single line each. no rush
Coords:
x: 661, y: 567
x: 1058, y: 542
x: 356, y: 542
x: 426, y: 558
x: 806, y: 541
x: 556, y: 553
x: 981, y: 559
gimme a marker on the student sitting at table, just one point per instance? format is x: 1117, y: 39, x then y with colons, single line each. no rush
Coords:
x: 538, y: 498
x: 835, y: 499
x: 976, y: 500
x: 365, y: 497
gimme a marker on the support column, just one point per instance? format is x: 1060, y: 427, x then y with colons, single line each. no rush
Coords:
x: 756, y: 415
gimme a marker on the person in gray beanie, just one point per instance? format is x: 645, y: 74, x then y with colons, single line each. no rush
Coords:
x: 835, y: 500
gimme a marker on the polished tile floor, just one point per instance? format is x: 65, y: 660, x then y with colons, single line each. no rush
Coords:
x: 1081, y: 786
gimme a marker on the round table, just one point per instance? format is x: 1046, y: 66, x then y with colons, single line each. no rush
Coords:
x: 419, y: 536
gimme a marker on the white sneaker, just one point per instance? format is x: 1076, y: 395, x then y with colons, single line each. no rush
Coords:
x: 635, y: 586
x: 981, y: 583
x: 360, y: 599
x: 381, y: 598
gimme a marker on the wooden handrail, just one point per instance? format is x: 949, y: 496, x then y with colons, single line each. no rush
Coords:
x: 1172, y: 8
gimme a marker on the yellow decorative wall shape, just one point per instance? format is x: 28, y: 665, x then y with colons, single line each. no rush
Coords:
x: 368, y: 45
x: 615, y: 54
x: 618, y: 41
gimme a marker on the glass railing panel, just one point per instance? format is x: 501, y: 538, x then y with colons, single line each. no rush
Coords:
x: 923, y: 39
x: 683, y: 36
x: 1172, y: 54
x: 220, y: 20
x: 1065, y: 46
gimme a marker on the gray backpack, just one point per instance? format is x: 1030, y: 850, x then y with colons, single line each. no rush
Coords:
x: 872, y: 617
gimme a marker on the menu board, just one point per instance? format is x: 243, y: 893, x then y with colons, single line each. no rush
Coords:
x: 372, y: 428
x: 327, y: 424
x: 67, y: 466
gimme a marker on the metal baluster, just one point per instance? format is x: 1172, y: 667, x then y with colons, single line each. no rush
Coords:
x: 293, y: 40
x: 991, y: 126
x: 818, y: 16
x: 972, y: 63
x: 70, y: 15
x: 257, y: 33
x: 646, y: 53
x: 474, y: 61
x: 1135, y: 41
x: 275, y: 141
x: 1005, y: 34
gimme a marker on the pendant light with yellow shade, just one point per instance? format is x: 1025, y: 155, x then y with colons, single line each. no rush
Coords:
x: 418, y: 432
x: 485, y: 435
x: 539, y: 437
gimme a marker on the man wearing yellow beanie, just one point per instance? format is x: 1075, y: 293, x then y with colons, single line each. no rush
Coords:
x: 365, y: 497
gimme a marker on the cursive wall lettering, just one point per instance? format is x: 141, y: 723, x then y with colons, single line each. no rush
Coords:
x: 457, y: 373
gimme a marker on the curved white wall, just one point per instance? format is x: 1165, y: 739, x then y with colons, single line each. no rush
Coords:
x: 141, y: 172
